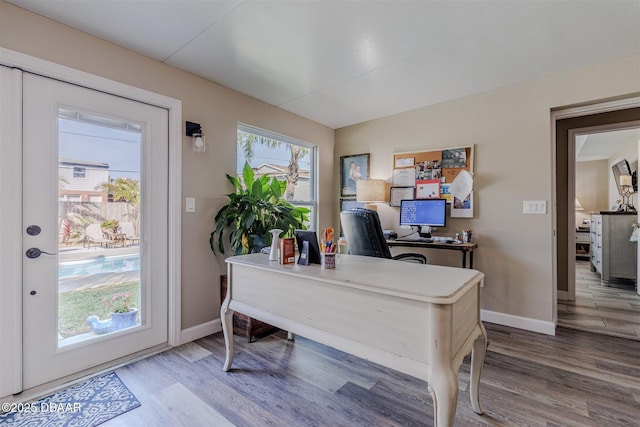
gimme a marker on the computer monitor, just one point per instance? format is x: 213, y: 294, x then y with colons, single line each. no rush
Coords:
x: 423, y: 212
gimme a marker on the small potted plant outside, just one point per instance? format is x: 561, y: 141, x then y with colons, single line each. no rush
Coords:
x: 122, y: 314
x: 110, y: 225
x: 254, y: 208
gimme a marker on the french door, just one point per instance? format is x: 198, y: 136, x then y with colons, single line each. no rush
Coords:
x: 95, y: 221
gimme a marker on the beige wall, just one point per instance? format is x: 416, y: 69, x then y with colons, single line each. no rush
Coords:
x: 216, y: 108
x: 511, y: 130
x: 592, y: 187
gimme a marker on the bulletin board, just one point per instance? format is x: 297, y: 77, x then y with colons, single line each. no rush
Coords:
x: 444, y: 164
x: 426, y: 170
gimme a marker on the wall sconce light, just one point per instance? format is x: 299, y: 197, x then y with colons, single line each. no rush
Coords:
x: 195, y: 131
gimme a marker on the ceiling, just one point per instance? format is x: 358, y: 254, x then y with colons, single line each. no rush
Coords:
x: 604, y: 145
x: 344, y: 62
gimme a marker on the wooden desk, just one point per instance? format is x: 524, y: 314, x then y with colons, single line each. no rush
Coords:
x: 421, y: 320
x: 463, y: 247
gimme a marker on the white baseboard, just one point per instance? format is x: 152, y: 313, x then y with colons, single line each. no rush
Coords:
x: 526, y: 323
x: 199, y: 331
x: 563, y: 295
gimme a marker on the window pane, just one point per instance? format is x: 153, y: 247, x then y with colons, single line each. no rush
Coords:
x: 281, y: 157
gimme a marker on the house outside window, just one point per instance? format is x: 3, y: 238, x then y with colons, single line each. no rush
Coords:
x: 288, y: 159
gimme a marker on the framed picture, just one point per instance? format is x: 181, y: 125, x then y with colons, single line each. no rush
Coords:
x: 462, y: 208
x: 352, y: 169
x: 397, y: 194
x: 350, y: 204
x: 428, y: 189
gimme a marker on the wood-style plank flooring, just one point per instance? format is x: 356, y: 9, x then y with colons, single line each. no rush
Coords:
x: 572, y: 379
x: 613, y: 310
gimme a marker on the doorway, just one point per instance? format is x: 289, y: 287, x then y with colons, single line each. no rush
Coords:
x: 83, y: 139
x: 617, y: 114
x: 610, y: 307
x: 31, y: 191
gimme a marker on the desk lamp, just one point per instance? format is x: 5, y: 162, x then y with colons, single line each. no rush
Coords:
x: 371, y: 191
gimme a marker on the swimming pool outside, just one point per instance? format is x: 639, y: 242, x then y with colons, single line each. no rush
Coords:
x: 99, y: 264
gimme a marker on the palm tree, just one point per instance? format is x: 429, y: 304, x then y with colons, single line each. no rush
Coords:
x: 123, y: 190
x: 246, y: 141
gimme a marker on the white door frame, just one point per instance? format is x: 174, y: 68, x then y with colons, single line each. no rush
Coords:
x: 12, y: 306
x: 567, y: 113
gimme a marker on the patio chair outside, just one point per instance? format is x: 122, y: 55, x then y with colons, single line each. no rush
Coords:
x: 126, y: 228
x: 94, y: 234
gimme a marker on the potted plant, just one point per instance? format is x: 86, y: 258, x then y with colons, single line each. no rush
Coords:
x: 253, y: 209
x: 110, y: 225
x: 122, y: 314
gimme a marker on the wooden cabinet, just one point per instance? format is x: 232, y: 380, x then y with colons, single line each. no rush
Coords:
x: 242, y: 324
x: 612, y: 254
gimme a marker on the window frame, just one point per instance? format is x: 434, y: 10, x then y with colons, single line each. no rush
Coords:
x: 312, y: 204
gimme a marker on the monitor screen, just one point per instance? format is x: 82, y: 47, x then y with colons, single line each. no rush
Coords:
x: 431, y: 212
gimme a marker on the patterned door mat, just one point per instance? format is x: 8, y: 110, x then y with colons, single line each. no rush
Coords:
x: 86, y: 404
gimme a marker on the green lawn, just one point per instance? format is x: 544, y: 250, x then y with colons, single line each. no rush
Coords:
x: 75, y: 306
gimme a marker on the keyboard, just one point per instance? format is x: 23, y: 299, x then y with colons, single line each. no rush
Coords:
x: 414, y: 239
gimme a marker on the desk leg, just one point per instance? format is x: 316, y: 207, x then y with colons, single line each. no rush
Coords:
x: 443, y: 380
x: 477, y: 361
x: 471, y: 259
x: 227, y: 330
x: 464, y: 259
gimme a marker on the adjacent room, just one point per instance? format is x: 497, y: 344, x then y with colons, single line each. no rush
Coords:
x: 314, y: 213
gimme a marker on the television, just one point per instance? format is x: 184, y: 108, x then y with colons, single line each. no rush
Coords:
x: 311, y: 237
x: 423, y: 212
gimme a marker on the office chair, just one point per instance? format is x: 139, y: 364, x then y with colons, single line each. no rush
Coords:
x: 364, y: 236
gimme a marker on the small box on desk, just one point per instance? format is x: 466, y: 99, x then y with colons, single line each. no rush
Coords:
x: 287, y: 251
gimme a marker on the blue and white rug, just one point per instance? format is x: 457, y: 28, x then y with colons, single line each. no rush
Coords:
x: 86, y: 404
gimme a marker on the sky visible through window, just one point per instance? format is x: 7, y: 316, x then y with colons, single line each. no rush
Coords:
x: 84, y: 141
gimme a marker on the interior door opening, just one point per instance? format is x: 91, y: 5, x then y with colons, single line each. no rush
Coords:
x: 578, y: 285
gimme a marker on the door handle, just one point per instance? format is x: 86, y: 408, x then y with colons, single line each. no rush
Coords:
x: 35, y: 253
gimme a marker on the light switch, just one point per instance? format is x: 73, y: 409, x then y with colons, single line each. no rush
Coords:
x: 534, y: 207
x: 190, y: 205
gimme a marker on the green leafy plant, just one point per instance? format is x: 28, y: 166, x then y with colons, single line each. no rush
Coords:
x: 119, y: 303
x: 111, y: 225
x: 253, y: 209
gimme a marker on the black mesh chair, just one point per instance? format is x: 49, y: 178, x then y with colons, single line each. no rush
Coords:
x: 362, y: 229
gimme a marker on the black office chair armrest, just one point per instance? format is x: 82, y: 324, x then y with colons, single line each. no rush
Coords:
x: 409, y: 257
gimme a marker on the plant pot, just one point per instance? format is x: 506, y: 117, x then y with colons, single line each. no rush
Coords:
x: 123, y: 320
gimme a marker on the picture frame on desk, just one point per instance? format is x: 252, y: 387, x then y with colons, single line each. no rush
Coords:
x: 352, y: 168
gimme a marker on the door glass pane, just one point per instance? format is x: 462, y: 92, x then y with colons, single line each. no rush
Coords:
x: 99, y: 220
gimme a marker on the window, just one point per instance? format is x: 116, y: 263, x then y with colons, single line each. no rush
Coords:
x: 79, y: 172
x: 286, y: 158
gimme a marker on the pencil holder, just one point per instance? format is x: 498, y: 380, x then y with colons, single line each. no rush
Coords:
x: 328, y: 260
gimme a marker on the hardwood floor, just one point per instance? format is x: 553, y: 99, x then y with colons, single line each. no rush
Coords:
x: 613, y: 310
x: 571, y: 379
